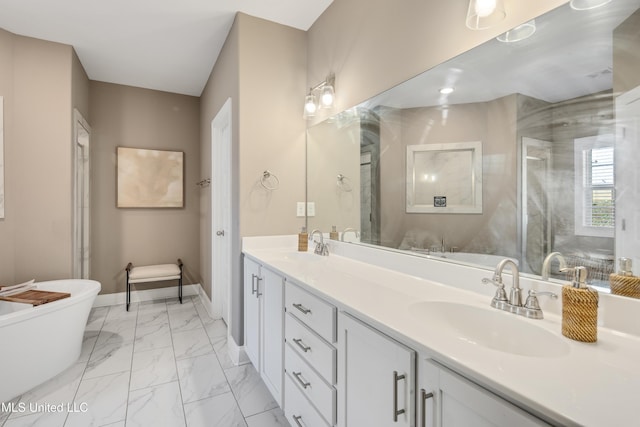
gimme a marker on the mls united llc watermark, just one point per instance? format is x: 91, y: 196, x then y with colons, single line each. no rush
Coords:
x: 24, y: 407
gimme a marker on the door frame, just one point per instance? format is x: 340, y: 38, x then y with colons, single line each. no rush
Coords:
x: 222, y: 121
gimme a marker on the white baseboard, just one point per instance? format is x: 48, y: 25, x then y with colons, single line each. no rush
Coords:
x: 206, y: 302
x: 236, y: 352
x: 150, y: 295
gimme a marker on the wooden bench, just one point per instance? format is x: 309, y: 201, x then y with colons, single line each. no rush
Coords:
x: 154, y: 273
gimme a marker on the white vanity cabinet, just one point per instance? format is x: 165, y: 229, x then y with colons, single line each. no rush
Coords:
x: 445, y: 399
x: 376, y: 377
x: 310, y: 359
x: 264, y: 324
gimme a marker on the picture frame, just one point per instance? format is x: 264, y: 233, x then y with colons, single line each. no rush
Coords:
x: 444, y: 178
x: 149, y: 178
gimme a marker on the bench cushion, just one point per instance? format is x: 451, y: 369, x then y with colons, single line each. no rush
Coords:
x: 154, y: 273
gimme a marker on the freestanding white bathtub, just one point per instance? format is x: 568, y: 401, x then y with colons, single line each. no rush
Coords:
x: 37, y: 343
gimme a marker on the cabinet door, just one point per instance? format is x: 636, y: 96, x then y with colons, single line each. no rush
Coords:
x: 252, y: 290
x: 273, y: 332
x: 376, y: 377
x: 457, y: 402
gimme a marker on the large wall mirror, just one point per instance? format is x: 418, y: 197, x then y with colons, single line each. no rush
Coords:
x: 558, y: 114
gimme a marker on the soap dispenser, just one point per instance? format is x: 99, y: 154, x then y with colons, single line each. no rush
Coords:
x: 580, y: 308
x: 303, y: 240
x: 333, y: 234
x: 624, y: 282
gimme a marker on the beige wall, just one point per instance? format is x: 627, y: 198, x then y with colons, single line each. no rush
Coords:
x: 141, y: 118
x: 262, y: 68
x: 372, y: 45
x: 272, y: 130
x: 223, y: 84
x: 35, y: 236
x: 79, y: 88
x: 493, y: 123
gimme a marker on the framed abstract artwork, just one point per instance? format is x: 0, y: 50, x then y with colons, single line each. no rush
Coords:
x: 149, y: 178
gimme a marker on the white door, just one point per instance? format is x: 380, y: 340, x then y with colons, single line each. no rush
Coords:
x: 221, y: 212
x: 627, y: 176
x: 376, y: 377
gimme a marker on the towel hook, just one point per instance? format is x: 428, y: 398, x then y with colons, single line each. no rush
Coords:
x: 264, y: 181
x: 344, y: 183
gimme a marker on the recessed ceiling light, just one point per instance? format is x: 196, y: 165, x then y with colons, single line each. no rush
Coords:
x: 446, y: 90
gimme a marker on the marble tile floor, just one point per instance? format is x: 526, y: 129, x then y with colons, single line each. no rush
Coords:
x: 160, y: 364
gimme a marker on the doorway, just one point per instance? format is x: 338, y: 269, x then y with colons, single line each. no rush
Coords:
x: 81, y: 197
x: 221, y: 212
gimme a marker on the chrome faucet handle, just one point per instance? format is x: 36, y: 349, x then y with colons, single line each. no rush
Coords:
x: 499, y: 300
x: 532, y: 308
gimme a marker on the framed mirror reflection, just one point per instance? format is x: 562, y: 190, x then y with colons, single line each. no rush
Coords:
x: 558, y: 114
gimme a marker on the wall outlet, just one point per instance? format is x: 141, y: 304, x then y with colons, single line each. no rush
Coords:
x: 300, y: 209
x: 311, y: 209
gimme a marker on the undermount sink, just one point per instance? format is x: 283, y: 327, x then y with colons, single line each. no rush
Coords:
x: 491, y: 328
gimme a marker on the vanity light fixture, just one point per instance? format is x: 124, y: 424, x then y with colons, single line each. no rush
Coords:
x: 326, y: 99
x: 483, y: 14
x: 587, y: 4
x: 518, y: 33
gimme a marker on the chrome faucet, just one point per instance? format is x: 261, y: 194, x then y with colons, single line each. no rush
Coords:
x: 321, y: 247
x: 349, y: 229
x: 443, y: 248
x: 513, y: 304
x: 546, y: 264
x: 500, y: 301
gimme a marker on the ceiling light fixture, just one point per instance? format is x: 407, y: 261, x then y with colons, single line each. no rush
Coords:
x: 326, y: 100
x: 483, y: 14
x: 518, y: 33
x: 447, y: 90
x: 587, y: 4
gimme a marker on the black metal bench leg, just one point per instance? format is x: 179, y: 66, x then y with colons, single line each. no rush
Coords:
x: 180, y: 286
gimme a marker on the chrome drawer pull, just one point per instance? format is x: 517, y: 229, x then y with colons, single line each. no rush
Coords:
x: 258, y: 293
x: 297, y: 419
x: 253, y: 284
x: 424, y: 395
x: 396, y: 411
x: 301, y: 380
x: 302, y: 308
x: 300, y: 344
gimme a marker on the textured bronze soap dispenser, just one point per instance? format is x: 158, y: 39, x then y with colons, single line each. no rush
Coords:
x: 580, y: 309
x: 624, y: 282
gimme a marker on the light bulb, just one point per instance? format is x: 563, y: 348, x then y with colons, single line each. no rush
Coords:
x: 327, y: 97
x: 485, y: 8
x: 310, y: 106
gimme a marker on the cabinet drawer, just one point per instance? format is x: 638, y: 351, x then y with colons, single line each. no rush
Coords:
x: 297, y: 409
x: 321, y: 394
x: 313, y: 311
x: 318, y: 354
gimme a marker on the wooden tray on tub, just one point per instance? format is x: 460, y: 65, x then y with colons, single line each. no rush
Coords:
x: 35, y: 297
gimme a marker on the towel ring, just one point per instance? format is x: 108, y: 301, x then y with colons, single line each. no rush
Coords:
x: 344, y: 183
x: 264, y: 181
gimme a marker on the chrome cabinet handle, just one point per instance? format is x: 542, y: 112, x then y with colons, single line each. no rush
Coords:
x: 302, y: 308
x: 300, y: 344
x: 424, y: 395
x: 253, y: 284
x: 301, y: 380
x: 396, y: 411
x: 258, y: 293
x: 297, y: 419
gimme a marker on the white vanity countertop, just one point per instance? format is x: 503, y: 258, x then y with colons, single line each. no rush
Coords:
x: 594, y: 384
